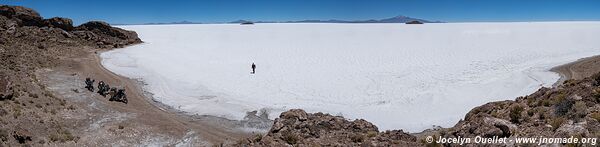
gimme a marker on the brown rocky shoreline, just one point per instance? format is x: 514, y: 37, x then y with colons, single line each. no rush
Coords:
x: 42, y: 101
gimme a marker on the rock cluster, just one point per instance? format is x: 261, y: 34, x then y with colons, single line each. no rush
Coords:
x: 105, y: 35
x: 23, y: 16
x: 298, y: 128
x: 59, y: 22
x: 101, y: 33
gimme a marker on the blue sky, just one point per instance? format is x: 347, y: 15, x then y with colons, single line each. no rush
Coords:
x: 211, y: 11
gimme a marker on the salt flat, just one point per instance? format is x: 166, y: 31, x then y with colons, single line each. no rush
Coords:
x: 395, y: 75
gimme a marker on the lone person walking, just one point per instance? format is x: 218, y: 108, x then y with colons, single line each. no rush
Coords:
x: 253, y: 68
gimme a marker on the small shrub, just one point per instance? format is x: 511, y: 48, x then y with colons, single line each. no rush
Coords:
x: 559, y: 98
x: 531, y: 112
x: 515, y: 113
x: 596, y: 94
x: 257, y: 137
x: 357, y: 138
x: 595, y: 116
x: 556, y: 122
x: 495, y: 114
x: 372, y: 134
x: 530, y: 101
x: 16, y: 112
x: 33, y: 95
x: 545, y: 103
x: 580, y: 110
x: 541, y: 115
x: 62, y: 135
x: 48, y: 94
x: 562, y: 106
x: 290, y: 138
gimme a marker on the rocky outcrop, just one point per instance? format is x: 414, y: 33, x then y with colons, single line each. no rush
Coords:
x: 105, y: 35
x: 298, y: 128
x: 101, y: 33
x: 59, y: 22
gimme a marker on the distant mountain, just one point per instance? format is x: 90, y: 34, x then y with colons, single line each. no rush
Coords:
x: 240, y: 21
x: 404, y: 19
x: 247, y: 21
x: 397, y: 19
x: 158, y: 23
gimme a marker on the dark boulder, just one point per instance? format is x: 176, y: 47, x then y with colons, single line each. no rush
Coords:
x: 59, y: 22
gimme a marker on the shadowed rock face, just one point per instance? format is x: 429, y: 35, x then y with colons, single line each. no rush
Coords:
x: 59, y: 22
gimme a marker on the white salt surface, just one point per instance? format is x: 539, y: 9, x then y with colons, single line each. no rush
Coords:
x: 395, y: 75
